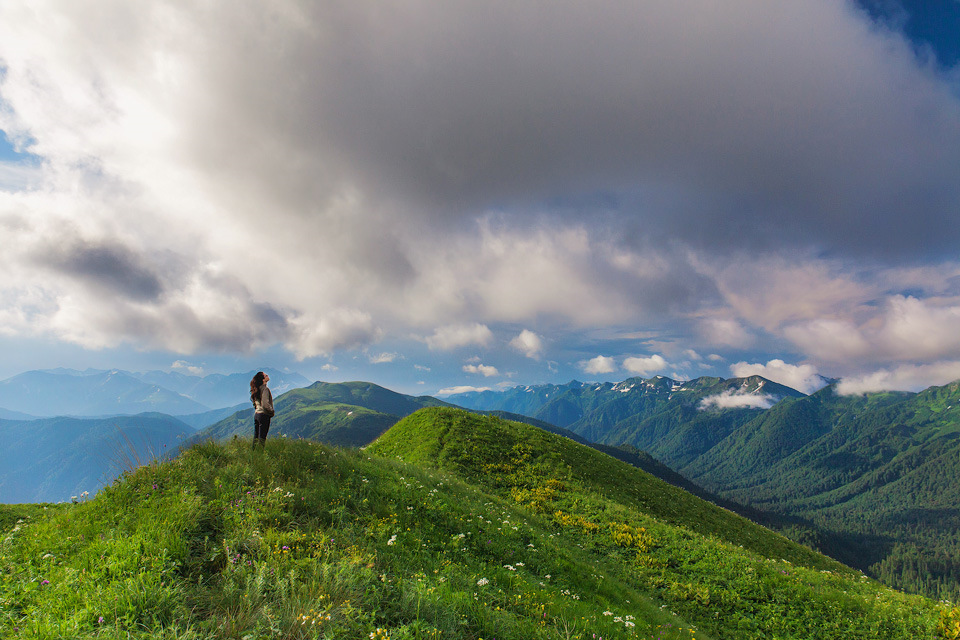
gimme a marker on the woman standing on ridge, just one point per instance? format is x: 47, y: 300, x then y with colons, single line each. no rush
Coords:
x: 263, y: 407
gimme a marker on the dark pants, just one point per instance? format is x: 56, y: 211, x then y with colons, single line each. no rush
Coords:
x: 261, y: 424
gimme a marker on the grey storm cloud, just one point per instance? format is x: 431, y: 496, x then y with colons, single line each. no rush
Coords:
x: 106, y: 265
x: 738, y: 125
x: 327, y: 175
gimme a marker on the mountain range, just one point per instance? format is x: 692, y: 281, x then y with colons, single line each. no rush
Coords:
x: 58, y: 392
x: 879, y: 471
x: 869, y: 479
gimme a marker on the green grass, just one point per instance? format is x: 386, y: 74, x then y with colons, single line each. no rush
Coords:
x: 521, y: 537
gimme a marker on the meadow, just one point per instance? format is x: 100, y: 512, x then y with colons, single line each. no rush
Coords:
x: 527, y: 539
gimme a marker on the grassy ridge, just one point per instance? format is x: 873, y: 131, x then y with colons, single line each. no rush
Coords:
x: 346, y: 414
x: 501, y: 454
x: 308, y: 541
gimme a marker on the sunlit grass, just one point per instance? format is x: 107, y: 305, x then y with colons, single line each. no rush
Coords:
x: 307, y: 541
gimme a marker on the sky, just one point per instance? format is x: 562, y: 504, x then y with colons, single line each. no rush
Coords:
x: 482, y: 194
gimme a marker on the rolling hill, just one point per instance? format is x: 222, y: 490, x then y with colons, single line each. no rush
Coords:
x: 347, y: 413
x: 486, y: 529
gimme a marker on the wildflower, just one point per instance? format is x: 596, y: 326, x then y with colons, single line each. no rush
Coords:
x: 509, y: 567
x: 44, y: 582
x: 608, y: 613
x: 392, y: 540
x: 482, y: 581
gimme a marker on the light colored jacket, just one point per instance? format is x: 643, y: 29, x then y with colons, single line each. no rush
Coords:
x: 266, y: 401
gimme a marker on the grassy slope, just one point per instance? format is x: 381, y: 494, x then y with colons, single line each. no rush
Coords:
x: 308, y: 541
x: 490, y: 451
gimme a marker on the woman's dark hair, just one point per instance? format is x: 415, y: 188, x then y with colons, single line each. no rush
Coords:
x: 256, y: 387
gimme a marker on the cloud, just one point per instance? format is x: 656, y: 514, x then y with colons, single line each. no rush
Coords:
x: 462, y: 335
x: 183, y: 365
x: 528, y: 343
x: 904, y: 328
x: 329, y: 367
x: 647, y: 366
x: 773, y: 291
x: 583, y: 169
x: 486, y: 370
x: 803, y: 378
x: 902, y: 378
x: 17, y: 176
x: 383, y: 358
x: 339, y: 329
x: 109, y: 266
x: 732, y: 400
x: 449, y: 391
x: 599, y: 365
x: 725, y: 332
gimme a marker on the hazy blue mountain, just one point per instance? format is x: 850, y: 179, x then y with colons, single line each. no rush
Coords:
x: 217, y: 390
x: 52, y: 459
x: 91, y: 393
x: 6, y: 414
x: 205, y: 419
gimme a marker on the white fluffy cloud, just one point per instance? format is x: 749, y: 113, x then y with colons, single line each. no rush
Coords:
x: 599, y: 365
x: 339, y: 329
x: 803, y: 377
x: 901, y: 378
x: 732, y: 400
x: 528, y: 343
x: 646, y: 366
x: 904, y: 329
x: 486, y: 371
x: 186, y: 367
x: 449, y: 391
